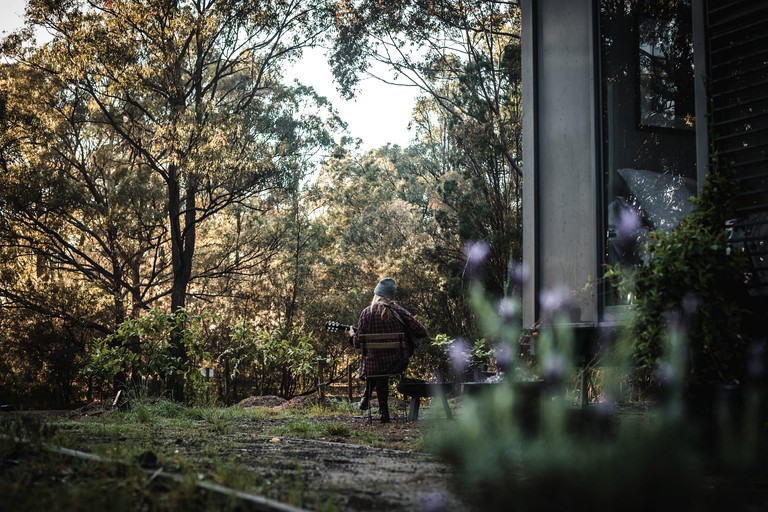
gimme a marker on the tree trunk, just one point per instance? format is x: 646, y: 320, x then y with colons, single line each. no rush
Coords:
x: 136, y: 306
x: 120, y: 380
x: 182, y: 250
x: 227, y: 383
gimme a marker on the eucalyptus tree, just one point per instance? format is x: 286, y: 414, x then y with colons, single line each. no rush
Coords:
x: 377, y: 222
x: 255, y: 266
x: 184, y: 91
x: 75, y: 203
x: 464, y: 56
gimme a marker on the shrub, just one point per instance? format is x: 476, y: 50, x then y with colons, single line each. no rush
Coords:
x: 522, y: 444
x: 691, y: 282
x: 139, y: 347
x: 278, y: 362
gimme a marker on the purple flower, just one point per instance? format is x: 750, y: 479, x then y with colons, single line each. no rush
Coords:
x: 665, y: 374
x: 476, y: 253
x: 554, y: 367
x: 606, y: 406
x: 690, y: 304
x: 503, y: 354
x: 434, y: 501
x: 676, y: 322
x: 520, y: 275
x: 554, y: 299
x: 507, y: 309
x: 460, y: 354
x: 629, y: 224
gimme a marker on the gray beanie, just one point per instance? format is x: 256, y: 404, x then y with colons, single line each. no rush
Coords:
x: 386, y: 288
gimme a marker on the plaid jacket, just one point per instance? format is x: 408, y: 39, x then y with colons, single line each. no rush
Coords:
x: 381, y: 362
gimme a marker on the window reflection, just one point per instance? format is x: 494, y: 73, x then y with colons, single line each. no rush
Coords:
x: 665, y: 72
x: 649, y: 165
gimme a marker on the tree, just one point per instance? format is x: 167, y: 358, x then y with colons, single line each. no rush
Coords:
x: 74, y: 203
x: 465, y: 58
x: 373, y: 209
x: 184, y: 89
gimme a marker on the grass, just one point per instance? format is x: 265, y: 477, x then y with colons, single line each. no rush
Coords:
x: 212, y: 443
x: 195, y: 442
x: 308, y: 428
x: 305, y: 428
x: 33, y: 477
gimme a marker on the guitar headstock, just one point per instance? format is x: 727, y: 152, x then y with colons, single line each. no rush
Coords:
x: 333, y: 326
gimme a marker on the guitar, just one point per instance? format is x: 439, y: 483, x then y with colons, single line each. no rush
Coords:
x: 333, y: 326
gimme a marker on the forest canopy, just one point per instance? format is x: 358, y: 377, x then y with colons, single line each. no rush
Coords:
x: 169, y: 203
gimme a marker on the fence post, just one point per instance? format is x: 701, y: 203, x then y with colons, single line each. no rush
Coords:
x: 321, y: 379
x: 349, y: 382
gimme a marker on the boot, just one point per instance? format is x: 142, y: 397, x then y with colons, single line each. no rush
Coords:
x: 365, y: 402
x: 382, y: 391
x: 384, y: 409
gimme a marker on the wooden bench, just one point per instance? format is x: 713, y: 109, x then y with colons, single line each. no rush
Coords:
x: 415, y: 390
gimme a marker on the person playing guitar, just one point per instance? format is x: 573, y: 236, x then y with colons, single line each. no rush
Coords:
x: 384, y: 316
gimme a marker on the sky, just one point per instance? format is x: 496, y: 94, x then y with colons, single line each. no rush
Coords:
x: 379, y: 114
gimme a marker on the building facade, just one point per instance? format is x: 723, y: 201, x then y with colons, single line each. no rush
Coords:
x: 625, y: 102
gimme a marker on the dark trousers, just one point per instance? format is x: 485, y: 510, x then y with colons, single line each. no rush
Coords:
x: 381, y: 385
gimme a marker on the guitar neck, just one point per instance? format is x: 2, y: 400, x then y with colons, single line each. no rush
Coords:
x: 337, y: 327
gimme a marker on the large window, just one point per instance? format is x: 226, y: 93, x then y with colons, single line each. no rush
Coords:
x: 647, y: 93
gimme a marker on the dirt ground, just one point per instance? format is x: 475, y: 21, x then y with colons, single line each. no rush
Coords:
x: 336, y: 472
x: 359, y: 477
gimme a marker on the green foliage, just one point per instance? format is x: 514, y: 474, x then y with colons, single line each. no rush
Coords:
x: 307, y: 427
x: 523, y: 442
x: 649, y: 466
x: 431, y: 358
x: 42, y: 352
x: 338, y: 428
x: 125, y: 188
x: 691, y: 282
x: 171, y: 117
x: 482, y: 354
x: 376, y: 224
x: 141, y: 347
x: 197, y: 443
x: 22, y: 433
x: 281, y: 364
x: 468, y: 120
